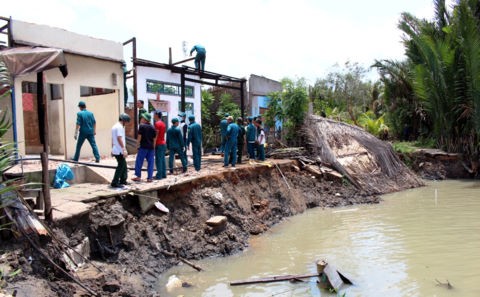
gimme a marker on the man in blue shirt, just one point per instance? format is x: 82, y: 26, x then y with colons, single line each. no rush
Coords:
x: 175, y: 145
x: 85, y: 129
x: 231, y: 145
x: 200, y: 57
x: 195, y: 138
x: 223, y: 132
x: 251, y: 138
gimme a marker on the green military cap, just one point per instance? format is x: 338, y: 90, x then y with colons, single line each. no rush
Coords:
x: 146, y: 116
x: 174, y: 120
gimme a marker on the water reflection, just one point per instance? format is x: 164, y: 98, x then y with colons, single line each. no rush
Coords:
x: 397, y: 248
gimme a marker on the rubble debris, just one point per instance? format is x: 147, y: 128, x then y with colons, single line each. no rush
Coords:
x: 216, y: 221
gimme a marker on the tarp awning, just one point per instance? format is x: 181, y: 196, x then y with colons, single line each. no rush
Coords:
x: 25, y: 60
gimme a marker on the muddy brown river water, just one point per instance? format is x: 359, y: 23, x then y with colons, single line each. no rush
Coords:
x: 399, y: 247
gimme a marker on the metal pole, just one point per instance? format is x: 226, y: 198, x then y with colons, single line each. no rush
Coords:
x: 135, y: 111
x: 242, y: 104
x: 182, y: 86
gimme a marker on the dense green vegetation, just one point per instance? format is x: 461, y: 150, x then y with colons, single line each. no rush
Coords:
x: 432, y: 96
x: 436, y: 90
x: 213, y: 111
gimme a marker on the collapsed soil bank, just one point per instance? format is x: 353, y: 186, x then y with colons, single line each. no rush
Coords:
x: 132, y: 248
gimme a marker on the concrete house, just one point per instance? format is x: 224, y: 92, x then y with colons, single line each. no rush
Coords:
x: 95, y: 77
x: 258, y: 89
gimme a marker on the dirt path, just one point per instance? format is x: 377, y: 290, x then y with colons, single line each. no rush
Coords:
x: 133, y: 249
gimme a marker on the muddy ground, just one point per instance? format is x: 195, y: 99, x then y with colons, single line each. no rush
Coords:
x: 132, y: 249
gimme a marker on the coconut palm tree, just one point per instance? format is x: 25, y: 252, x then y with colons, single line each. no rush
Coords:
x: 444, y: 67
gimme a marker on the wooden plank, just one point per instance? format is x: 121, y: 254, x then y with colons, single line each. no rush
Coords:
x: 333, y: 278
x: 277, y: 278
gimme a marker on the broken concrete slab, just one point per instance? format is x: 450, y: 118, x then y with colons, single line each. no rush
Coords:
x: 147, y: 200
x: 70, y: 209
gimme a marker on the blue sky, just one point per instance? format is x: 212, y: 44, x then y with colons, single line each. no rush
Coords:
x: 272, y: 38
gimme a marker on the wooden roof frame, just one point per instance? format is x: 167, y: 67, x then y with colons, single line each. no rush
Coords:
x: 204, y: 78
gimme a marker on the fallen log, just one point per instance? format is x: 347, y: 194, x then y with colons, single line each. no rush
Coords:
x: 271, y: 279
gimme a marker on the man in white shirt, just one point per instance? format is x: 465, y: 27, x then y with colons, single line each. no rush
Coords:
x: 260, y: 141
x: 119, y: 151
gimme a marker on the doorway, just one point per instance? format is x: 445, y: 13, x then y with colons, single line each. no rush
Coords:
x: 31, y: 118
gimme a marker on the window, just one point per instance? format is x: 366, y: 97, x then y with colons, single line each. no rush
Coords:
x: 56, y: 91
x: 91, y: 91
x: 29, y: 87
x: 188, y: 108
x: 154, y: 86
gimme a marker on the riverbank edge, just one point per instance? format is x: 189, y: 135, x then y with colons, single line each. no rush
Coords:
x: 128, y: 245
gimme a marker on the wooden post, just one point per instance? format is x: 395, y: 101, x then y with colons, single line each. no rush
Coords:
x: 44, y: 155
x: 321, y: 264
x: 242, y: 104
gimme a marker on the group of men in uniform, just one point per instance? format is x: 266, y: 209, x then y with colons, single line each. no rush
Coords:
x: 178, y: 139
x: 152, y: 144
x: 233, y: 136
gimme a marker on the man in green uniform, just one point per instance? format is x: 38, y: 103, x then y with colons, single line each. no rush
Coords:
x: 251, y: 138
x: 175, y: 145
x: 230, y: 156
x: 195, y: 138
x: 223, y: 132
x: 85, y: 129
x: 240, y: 140
x: 200, y: 57
x: 141, y: 109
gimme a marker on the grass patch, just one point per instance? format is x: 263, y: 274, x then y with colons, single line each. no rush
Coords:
x: 404, y: 147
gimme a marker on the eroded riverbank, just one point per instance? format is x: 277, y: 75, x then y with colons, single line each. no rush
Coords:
x: 132, y: 249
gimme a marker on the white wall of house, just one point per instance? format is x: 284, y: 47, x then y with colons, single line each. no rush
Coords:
x: 42, y: 35
x: 82, y: 71
x: 259, y: 87
x: 164, y: 75
x: 91, y: 62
